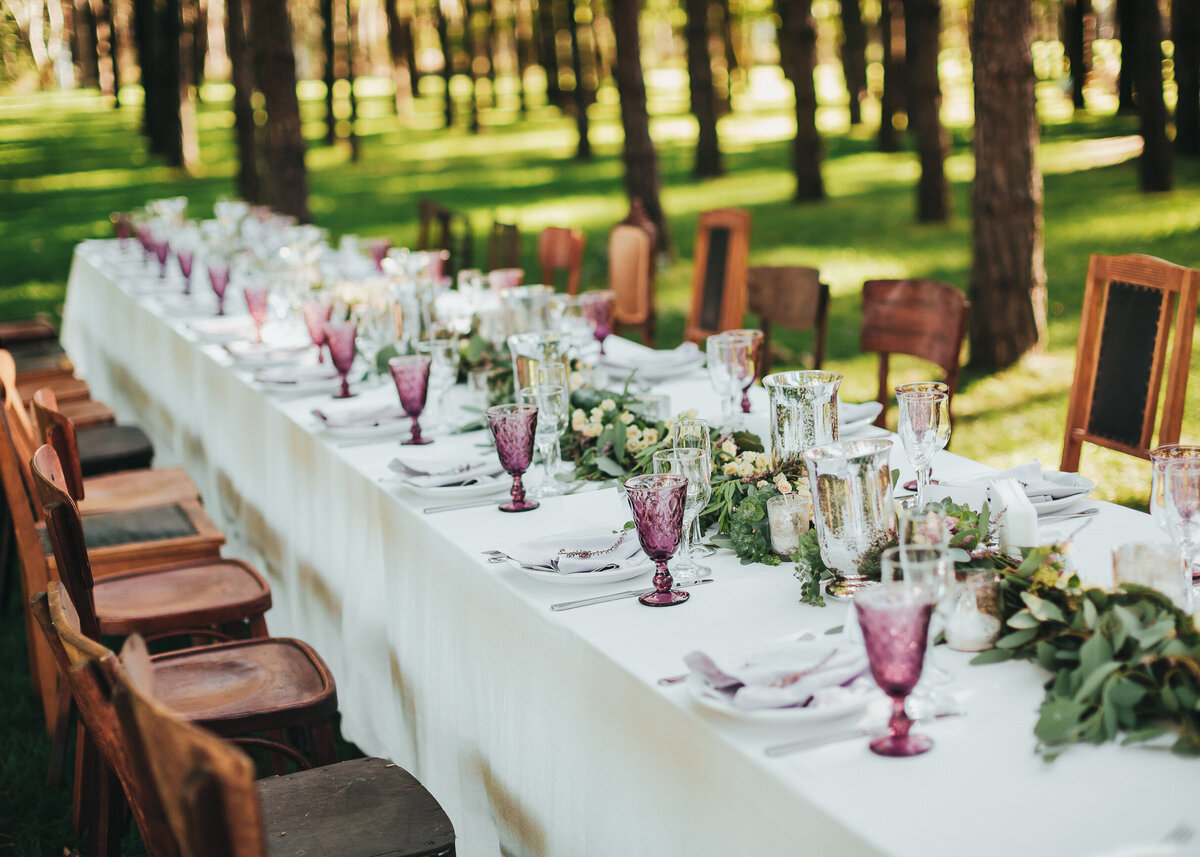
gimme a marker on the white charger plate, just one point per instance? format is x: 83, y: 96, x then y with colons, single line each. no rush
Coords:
x: 800, y: 653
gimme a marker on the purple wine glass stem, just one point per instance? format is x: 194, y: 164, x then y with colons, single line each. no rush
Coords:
x: 518, y: 490
x: 899, y: 723
x: 662, y: 576
x: 415, y: 435
x: 746, y: 401
x: 320, y: 354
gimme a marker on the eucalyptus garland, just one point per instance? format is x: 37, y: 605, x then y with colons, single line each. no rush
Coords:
x: 749, y: 530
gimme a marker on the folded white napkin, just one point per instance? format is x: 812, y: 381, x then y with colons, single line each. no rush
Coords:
x: 779, y: 679
x: 444, y: 472
x: 579, y: 552
x: 853, y: 412
x: 296, y: 374
x: 257, y: 352
x: 1037, y: 487
x: 621, y: 353
x: 361, y: 417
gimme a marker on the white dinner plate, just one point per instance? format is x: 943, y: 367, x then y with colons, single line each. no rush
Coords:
x: 222, y: 328
x: 846, y: 429
x: 386, y: 427
x: 812, y: 651
x: 302, y: 380
x: 624, y: 571
x: 450, y: 493
x: 1064, y: 478
x: 262, y: 355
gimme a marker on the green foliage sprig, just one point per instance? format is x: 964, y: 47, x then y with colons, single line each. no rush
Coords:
x: 749, y: 534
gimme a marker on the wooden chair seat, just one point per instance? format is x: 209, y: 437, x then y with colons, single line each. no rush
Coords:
x: 136, y: 489
x: 88, y: 413
x: 108, y: 449
x: 67, y: 389
x: 158, y: 600
x: 26, y: 330
x: 43, y: 369
x: 361, y: 808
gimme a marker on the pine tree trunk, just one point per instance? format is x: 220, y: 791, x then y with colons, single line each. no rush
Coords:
x: 146, y: 40
x: 350, y: 48
x: 489, y: 46
x: 114, y: 49
x: 1185, y: 32
x: 1155, y: 165
x: 189, y: 135
x: 522, y: 45
x: 704, y: 96
x: 1073, y: 17
x: 85, y: 44
x: 167, y: 21
x: 641, y: 160
x: 1008, y: 278
x: 548, y: 49
x: 891, y: 102
x: 443, y: 32
x: 798, y: 56
x: 1127, y: 21
x: 199, y: 45
x: 584, y: 150
x: 854, y: 57
x: 329, y: 73
x: 249, y: 184
x: 471, y: 49
x: 399, y: 32
x: 923, y: 30
x: 275, y: 65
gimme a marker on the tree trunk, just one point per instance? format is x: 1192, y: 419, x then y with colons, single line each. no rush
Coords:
x: 146, y: 39
x: 1073, y: 18
x: 199, y: 45
x: 249, y: 184
x: 641, y: 161
x: 704, y: 96
x: 1008, y: 277
x: 443, y: 31
x: 489, y: 45
x: 798, y: 56
x: 1185, y: 32
x: 167, y: 29
x: 185, y: 30
x: 522, y: 45
x: 275, y: 64
x: 1155, y: 164
x: 1127, y: 21
x: 854, y: 57
x: 114, y: 49
x: 352, y: 129
x: 399, y: 34
x: 471, y: 49
x: 85, y: 44
x: 923, y: 30
x: 329, y: 73
x: 892, y: 101
x: 548, y: 49
x: 584, y: 150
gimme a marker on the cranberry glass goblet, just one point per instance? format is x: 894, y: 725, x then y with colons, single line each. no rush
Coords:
x: 657, y: 501
x: 316, y: 314
x: 411, y: 375
x: 755, y: 340
x: 218, y: 275
x: 339, y: 336
x: 256, y: 302
x: 186, y: 258
x: 514, y: 427
x: 122, y: 227
x: 894, y: 618
x: 379, y: 249
x: 162, y: 250
x: 598, y: 307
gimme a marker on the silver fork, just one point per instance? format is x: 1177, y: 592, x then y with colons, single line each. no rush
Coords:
x: 802, y: 637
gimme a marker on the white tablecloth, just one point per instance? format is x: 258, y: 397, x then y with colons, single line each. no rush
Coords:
x: 544, y: 734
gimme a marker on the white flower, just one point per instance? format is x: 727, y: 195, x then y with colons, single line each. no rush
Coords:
x: 746, y: 469
x: 730, y: 469
x: 762, y: 483
x: 635, y: 445
x: 626, y: 417
x: 575, y: 380
x: 650, y: 435
x: 729, y: 448
x: 633, y: 433
x: 596, y: 415
x: 608, y: 405
x: 578, y: 420
x: 782, y: 484
x: 592, y: 430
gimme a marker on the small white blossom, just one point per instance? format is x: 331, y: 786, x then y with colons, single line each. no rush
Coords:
x: 729, y: 448
x: 626, y: 417
x: 650, y: 435
x: 608, y: 405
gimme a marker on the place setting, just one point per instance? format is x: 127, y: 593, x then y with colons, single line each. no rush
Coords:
x: 576, y: 558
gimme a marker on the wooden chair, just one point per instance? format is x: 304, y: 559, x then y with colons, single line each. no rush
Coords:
x: 213, y: 807
x: 1130, y: 307
x: 631, y: 252
x: 440, y: 228
x: 719, y: 273
x: 793, y: 297
x: 561, y: 249
x: 504, y: 246
x: 26, y: 330
x: 924, y: 318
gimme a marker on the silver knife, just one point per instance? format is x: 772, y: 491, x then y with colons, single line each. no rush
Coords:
x: 843, y: 735
x: 616, y: 596
x: 450, y: 507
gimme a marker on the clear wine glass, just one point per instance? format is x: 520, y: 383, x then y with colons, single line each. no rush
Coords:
x: 376, y: 317
x: 730, y: 363
x: 894, y: 619
x: 514, y: 428
x: 693, y: 465
x: 410, y: 373
x: 1181, y: 496
x: 657, y: 501
x: 550, y: 397
x: 924, y: 428
x: 756, y: 343
x: 444, y: 358
x: 694, y: 433
x: 924, y: 555
x: 1159, y: 459
x: 340, y: 336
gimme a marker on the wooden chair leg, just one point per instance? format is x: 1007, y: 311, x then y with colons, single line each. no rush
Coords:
x: 278, y: 763
x: 324, y: 749
x: 85, y: 791
x: 104, y: 835
x: 258, y: 626
x: 58, y: 741
x: 6, y: 555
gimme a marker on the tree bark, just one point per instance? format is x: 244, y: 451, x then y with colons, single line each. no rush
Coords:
x: 704, y: 96
x: 854, y: 57
x: 548, y: 49
x: 641, y: 160
x: 249, y: 183
x: 443, y: 31
x: 167, y: 29
x: 85, y: 43
x: 1008, y: 278
x: 1155, y: 164
x: 892, y: 101
x: 1073, y: 19
x: 275, y: 64
x: 584, y: 150
x: 798, y: 56
x: 1185, y: 32
x: 199, y: 44
x: 114, y: 49
x: 350, y: 47
x: 1127, y: 21
x: 146, y: 40
x: 471, y: 40
x: 923, y: 30
x: 329, y: 73
x: 399, y: 38
x: 185, y: 31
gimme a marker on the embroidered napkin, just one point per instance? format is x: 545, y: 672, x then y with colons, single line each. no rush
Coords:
x: 776, y: 678
x: 579, y: 552
x: 621, y: 353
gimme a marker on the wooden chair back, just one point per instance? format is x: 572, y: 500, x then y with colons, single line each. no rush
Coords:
x: 561, y: 249
x: 56, y: 428
x: 204, y: 784
x: 504, y: 246
x: 441, y: 228
x: 923, y: 318
x: 793, y: 297
x: 1130, y: 308
x: 24, y: 432
x: 631, y: 253
x: 719, y: 273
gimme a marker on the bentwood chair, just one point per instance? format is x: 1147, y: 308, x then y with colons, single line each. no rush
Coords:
x: 504, y: 246
x: 1130, y: 308
x: 212, y: 806
x: 631, y: 252
x: 793, y: 297
x: 561, y: 249
x: 923, y: 318
x: 719, y: 273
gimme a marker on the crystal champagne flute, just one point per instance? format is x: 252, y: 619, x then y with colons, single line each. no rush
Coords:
x: 1181, y: 496
x: 693, y: 465
x: 444, y: 358
x: 694, y: 433
x: 550, y: 397
x: 1160, y: 458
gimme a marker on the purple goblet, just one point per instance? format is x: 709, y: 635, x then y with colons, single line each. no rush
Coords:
x: 657, y: 501
x: 256, y: 302
x: 894, y: 618
x: 218, y: 275
x: 162, y: 249
x: 316, y: 314
x: 147, y: 242
x: 411, y: 375
x: 186, y: 258
x: 514, y: 427
x: 122, y: 227
x: 598, y: 307
x: 339, y: 336
x: 379, y: 249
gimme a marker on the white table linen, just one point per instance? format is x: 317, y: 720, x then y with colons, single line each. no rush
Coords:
x: 544, y: 734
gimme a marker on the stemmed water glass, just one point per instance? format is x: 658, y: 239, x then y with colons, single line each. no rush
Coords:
x: 693, y: 465
x: 514, y: 428
x: 256, y: 303
x: 316, y: 314
x: 1160, y: 459
x: 444, y: 358
x: 894, y: 618
x: 657, y: 502
x: 693, y: 433
x: 598, y: 308
x: 122, y: 228
x: 376, y: 317
x: 730, y: 363
x: 1181, y: 496
x: 756, y: 344
x: 924, y: 555
x: 339, y: 336
x: 411, y: 375
x: 550, y: 397
x: 924, y: 427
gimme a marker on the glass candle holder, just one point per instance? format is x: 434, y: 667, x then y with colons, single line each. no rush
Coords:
x: 789, y: 516
x: 972, y: 610
x: 1158, y: 565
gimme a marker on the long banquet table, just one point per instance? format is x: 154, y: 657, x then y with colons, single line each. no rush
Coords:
x: 546, y: 733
